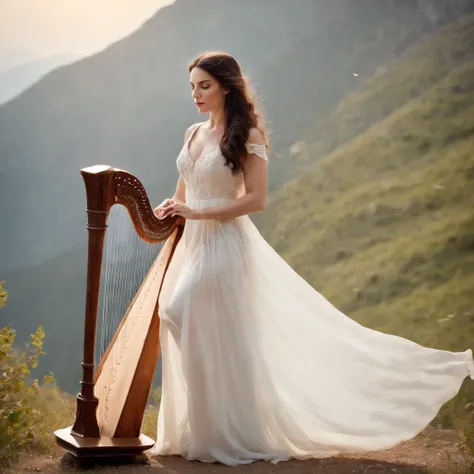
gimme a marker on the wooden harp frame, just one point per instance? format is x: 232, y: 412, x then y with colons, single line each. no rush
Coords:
x: 106, y: 186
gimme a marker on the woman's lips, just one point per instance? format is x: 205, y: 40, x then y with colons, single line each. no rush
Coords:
x: 199, y: 103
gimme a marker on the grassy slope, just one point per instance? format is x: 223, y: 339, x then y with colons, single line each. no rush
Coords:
x: 400, y: 81
x: 384, y: 226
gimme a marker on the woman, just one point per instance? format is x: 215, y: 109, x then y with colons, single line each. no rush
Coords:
x: 256, y: 363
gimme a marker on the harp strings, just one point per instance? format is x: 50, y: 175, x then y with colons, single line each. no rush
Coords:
x: 125, y: 264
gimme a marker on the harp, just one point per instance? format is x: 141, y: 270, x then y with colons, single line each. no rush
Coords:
x: 113, y: 399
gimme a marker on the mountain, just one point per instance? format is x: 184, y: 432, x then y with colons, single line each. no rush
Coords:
x: 429, y: 61
x: 15, y: 80
x: 127, y: 106
x: 51, y: 237
x: 11, y: 58
x: 337, y: 59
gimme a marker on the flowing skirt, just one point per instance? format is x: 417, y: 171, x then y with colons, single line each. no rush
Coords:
x: 258, y: 365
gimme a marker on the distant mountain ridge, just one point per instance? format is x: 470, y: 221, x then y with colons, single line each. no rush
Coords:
x: 15, y: 80
x: 13, y: 57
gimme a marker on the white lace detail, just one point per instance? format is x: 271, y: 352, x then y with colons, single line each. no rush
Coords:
x: 257, y: 149
x: 207, y: 177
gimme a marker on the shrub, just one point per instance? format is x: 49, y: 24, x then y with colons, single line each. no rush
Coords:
x: 25, y: 404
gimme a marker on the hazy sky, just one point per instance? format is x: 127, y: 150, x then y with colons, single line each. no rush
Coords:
x: 47, y: 27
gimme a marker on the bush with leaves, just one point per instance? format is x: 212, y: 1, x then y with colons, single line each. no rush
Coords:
x: 19, y: 415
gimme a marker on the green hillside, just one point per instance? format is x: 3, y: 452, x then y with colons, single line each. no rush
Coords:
x: 403, y: 79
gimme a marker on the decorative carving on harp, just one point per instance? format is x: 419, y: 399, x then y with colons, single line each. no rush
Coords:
x: 112, y: 401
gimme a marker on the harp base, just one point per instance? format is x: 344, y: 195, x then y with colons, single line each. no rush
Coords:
x: 83, y: 447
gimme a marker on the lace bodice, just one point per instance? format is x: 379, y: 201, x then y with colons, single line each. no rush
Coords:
x: 207, y: 177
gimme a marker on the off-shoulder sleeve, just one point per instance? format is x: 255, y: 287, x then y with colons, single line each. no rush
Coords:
x: 257, y: 149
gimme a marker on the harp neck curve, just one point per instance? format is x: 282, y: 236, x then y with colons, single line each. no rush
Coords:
x: 106, y: 186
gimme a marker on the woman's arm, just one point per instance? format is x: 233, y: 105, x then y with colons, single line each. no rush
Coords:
x: 180, y: 193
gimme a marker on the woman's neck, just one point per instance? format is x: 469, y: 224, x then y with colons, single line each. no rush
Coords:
x: 217, y: 119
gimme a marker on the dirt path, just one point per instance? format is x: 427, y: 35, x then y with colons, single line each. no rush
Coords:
x: 431, y: 452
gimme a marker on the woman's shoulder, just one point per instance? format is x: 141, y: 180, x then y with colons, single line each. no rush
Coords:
x: 255, y: 137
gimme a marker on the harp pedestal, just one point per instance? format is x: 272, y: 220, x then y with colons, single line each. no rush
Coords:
x: 103, y: 446
x: 113, y: 399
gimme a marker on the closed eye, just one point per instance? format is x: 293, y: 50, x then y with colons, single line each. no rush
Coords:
x: 204, y: 86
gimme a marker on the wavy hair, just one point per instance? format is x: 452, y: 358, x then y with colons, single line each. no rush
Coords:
x: 240, y: 105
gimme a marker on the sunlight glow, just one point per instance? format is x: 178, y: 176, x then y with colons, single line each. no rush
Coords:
x: 45, y: 27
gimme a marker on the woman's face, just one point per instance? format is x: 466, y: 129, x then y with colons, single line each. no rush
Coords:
x: 208, y: 94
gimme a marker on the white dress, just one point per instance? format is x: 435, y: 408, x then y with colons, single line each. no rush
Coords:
x: 258, y: 365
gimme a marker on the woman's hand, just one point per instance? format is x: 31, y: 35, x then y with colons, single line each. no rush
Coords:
x: 158, y: 211
x: 178, y: 209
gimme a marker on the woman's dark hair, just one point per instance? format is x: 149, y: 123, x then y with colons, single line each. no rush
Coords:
x: 240, y: 107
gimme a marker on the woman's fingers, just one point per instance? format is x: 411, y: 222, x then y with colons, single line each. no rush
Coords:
x: 167, y: 211
x: 165, y: 203
x: 163, y: 207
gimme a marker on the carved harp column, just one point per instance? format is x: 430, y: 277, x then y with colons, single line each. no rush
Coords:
x: 112, y: 401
